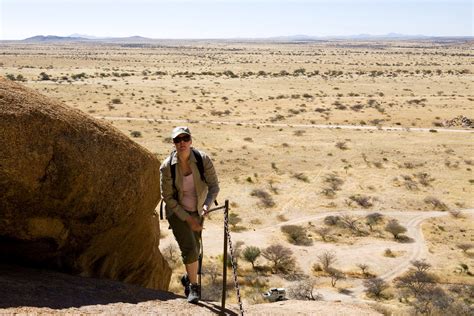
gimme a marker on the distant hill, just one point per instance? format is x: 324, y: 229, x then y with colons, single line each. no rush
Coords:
x: 291, y: 38
x: 85, y: 38
x: 389, y: 36
x: 53, y: 38
x: 130, y: 39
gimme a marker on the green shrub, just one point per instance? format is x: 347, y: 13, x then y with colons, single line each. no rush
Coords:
x: 250, y: 254
x: 296, y: 235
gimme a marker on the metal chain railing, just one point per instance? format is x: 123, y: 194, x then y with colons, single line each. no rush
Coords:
x: 228, y: 241
x: 233, y: 261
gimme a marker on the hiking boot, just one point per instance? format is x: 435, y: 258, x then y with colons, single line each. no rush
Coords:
x: 194, y: 293
x: 185, y: 282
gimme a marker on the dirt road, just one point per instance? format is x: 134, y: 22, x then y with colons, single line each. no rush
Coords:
x: 264, y: 236
x: 321, y: 126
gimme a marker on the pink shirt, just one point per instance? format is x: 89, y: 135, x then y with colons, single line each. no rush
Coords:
x: 189, y: 194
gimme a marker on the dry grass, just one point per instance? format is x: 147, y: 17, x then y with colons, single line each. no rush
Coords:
x: 274, y: 164
x: 443, y: 236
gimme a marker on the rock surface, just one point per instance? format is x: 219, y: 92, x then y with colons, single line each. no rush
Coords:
x: 76, y: 194
x: 34, y: 291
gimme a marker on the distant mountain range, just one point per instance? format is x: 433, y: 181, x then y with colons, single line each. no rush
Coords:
x: 292, y: 38
x: 393, y: 36
x: 84, y: 38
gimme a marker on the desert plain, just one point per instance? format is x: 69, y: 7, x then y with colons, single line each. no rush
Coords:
x: 316, y: 135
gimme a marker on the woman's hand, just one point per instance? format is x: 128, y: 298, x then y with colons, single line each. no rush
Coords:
x: 194, y: 224
x: 205, y: 208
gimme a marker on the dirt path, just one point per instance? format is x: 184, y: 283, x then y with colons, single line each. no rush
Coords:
x: 417, y: 250
x: 321, y: 126
x: 412, y: 220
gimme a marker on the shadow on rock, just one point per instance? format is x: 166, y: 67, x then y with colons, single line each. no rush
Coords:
x: 212, y: 307
x: 21, y: 286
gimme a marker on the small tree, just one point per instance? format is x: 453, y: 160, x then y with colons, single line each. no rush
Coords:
x: 333, y: 181
x: 136, y: 134
x: 374, y: 287
x: 299, y: 71
x: 361, y: 200
x: 421, y: 265
x: 335, y: 275
x: 234, y: 219
x: 342, y: 145
x: 281, y: 258
x: 237, y: 252
x: 265, y: 198
x: 304, y: 290
x: 373, y: 219
x: 363, y: 267
x: 436, y: 203
x: 327, y: 258
x: 389, y: 253
x: 20, y: 77
x: 350, y: 222
x: 323, y: 232
x: 417, y: 280
x: 251, y: 253
x: 414, y: 281
x: 424, y: 178
x: 171, y: 254
x: 116, y: 101
x: 433, y: 299
x: 296, y: 235
x: 331, y: 220
x: 238, y: 248
x: 394, y: 228
x: 212, y: 269
x: 44, y: 76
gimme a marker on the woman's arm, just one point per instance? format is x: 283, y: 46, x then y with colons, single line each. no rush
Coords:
x: 211, y: 179
x: 166, y: 186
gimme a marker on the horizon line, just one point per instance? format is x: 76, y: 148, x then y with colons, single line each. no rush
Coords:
x: 309, y: 37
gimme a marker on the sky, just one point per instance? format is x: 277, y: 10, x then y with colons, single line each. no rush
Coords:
x: 214, y: 19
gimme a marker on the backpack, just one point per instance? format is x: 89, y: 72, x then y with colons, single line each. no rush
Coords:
x: 200, y: 166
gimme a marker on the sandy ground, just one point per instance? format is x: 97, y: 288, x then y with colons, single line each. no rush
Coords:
x: 282, y: 119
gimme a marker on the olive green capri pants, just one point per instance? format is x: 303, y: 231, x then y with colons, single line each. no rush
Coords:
x: 189, y: 241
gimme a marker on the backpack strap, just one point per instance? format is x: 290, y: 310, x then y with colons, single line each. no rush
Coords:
x: 200, y: 164
x: 173, y: 173
x: 161, y: 209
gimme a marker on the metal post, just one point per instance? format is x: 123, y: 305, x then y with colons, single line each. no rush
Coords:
x: 224, y: 271
x: 201, y: 255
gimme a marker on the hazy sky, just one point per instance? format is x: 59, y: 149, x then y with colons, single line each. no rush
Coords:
x: 20, y: 19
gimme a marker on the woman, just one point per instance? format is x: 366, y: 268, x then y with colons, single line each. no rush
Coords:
x: 188, y: 195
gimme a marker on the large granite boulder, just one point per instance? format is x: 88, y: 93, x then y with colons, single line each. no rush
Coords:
x: 76, y: 194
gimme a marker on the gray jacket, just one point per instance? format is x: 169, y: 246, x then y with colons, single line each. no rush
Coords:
x: 206, y: 191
